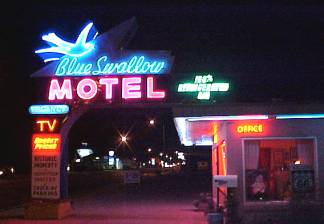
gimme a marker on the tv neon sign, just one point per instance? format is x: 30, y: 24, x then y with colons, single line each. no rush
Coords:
x: 87, y: 88
x: 46, y: 124
x: 248, y: 129
x: 82, y: 58
x: 203, y: 85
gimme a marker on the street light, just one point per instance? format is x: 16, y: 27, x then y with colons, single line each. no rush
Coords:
x: 152, y: 123
x: 123, y: 138
x: 149, y: 150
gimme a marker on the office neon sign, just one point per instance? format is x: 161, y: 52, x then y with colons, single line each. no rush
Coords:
x: 203, y: 86
x: 85, y: 57
x: 249, y: 128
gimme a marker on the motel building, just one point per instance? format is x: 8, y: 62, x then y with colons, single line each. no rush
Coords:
x: 267, y: 158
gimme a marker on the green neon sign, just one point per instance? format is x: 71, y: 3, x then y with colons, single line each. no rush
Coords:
x: 203, y: 85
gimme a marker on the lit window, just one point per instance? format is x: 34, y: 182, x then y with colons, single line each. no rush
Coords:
x: 272, y: 166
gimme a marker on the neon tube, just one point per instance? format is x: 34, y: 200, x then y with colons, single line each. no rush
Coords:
x: 228, y: 118
x: 299, y: 116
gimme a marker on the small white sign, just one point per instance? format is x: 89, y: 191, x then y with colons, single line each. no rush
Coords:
x: 132, y: 177
x: 225, y: 181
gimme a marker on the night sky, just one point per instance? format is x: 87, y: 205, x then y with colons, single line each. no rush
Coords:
x: 269, y: 52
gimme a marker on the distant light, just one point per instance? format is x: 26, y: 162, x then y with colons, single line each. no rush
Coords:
x: 124, y: 138
x: 68, y: 168
x: 181, y: 156
x: 111, y: 153
x: 111, y: 161
x: 149, y: 150
x: 153, y: 161
x: 78, y: 160
x: 97, y: 158
x: 12, y: 170
x: 297, y: 162
x: 161, y: 153
x: 176, y: 152
x: 152, y: 122
x: 84, y: 152
x: 1, y: 172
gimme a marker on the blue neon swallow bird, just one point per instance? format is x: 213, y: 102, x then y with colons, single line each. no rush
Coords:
x: 83, y: 45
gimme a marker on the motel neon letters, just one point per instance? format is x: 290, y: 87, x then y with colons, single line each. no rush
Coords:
x: 87, y: 88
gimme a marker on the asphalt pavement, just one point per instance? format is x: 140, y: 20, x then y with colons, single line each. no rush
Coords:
x: 158, y: 199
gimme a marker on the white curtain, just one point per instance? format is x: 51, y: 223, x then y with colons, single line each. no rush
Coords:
x: 305, y: 151
x: 252, y: 149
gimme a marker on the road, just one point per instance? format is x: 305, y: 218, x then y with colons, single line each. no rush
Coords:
x: 101, y: 198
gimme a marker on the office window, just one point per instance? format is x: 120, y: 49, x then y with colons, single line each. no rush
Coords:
x: 268, y: 165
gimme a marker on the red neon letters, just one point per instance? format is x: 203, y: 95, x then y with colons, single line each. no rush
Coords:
x: 87, y: 88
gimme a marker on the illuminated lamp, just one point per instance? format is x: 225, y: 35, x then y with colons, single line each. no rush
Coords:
x: 131, y: 88
x: 111, y: 153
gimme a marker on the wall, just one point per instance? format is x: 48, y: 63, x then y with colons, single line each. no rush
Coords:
x: 273, y: 129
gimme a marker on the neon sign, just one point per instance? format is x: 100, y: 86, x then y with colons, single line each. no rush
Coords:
x: 43, y: 123
x: 48, y: 109
x: 247, y: 129
x: 87, y: 88
x: 48, y: 143
x: 85, y: 57
x: 60, y: 47
x: 104, y: 66
x: 203, y: 85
